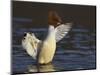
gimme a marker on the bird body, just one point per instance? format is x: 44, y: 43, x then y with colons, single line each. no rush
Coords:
x: 47, y: 51
x: 43, y: 50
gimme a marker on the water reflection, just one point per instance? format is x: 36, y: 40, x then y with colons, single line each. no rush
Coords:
x: 41, y: 68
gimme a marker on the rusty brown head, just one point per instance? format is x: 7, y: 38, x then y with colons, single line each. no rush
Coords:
x: 54, y: 18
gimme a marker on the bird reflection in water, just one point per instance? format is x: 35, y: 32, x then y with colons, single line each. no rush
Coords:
x: 41, y: 68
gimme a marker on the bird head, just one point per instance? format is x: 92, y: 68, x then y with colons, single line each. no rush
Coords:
x: 54, y: 19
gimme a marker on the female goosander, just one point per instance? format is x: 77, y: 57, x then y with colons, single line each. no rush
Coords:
x: 43, y: 51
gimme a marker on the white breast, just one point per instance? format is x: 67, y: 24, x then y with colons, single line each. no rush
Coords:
x: 48, y: 48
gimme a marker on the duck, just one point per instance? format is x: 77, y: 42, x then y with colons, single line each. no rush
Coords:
x: 43, y: 51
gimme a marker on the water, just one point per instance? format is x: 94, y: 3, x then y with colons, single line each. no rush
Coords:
x: 74, y: 52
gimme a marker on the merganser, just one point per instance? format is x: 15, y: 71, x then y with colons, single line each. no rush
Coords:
x: 43, y: 50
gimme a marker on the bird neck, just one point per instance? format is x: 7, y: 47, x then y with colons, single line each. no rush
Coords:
x: 51, y: 30
x: 51, y: 26
x: 51, y: 34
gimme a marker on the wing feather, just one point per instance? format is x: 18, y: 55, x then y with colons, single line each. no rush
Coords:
x: 62, y: 30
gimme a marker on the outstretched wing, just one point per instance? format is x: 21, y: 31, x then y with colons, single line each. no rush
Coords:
x: 30, y: 44
x: 62, y: 30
